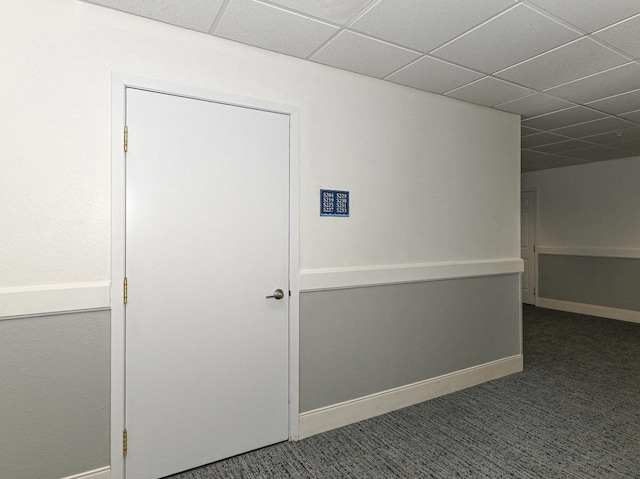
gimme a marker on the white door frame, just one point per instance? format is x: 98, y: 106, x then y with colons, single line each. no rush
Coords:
x: 119, y: 83
x: 534, y: 190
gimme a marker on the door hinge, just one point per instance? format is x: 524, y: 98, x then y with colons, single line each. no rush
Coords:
x: 534, y: 248
x: 124, y: 442
x: 125, y: 285
x: 126, y: 138
x: 534, y: 291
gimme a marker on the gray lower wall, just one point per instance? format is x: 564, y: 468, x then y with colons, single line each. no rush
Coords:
x: 611, y: 282
x: 55, y: 370
x: 359, y: 341
x: 54, y: 395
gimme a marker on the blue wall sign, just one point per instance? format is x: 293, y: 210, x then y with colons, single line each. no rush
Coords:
x: 334, y: 203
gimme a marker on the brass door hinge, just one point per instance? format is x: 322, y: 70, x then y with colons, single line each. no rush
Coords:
x: 126, y: 138
x: 534, y: 248
x: 534, y: 291
x: 124, y: 442
x: 126, y: 291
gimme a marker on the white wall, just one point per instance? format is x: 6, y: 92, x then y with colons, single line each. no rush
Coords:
x: 432, y: 179
x: 588, y: 238
x: 592, y: 209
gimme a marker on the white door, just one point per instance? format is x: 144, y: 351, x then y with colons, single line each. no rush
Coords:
x: 527, y: 245
x: 207, y: 232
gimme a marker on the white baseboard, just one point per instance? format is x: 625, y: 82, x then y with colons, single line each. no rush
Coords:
x: 590, y: 309
x: 53, y: 298
x: 102, y: 473
x: 338, y: 278
x: 348, y: 412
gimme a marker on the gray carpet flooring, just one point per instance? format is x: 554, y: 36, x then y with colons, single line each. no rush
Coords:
x: 573, y: 413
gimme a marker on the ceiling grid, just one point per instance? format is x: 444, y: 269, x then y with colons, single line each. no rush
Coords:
x: 570, y: 68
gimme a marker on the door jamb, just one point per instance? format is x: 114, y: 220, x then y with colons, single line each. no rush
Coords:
x: 534, y: 190
x: 119, y: 83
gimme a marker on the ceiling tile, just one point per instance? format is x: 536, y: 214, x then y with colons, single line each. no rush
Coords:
x: 533, y: 105
x: 337, y: 11
x: 569, y: 62
x: 563, y: 146
x: 526, y: 167
x: 632, y: 116
x: 623, y: 36
x: 632, y: 146
x: 539, y: 139
x: 193, y: 14
x: 426, y: 24
x: 531, y: 155
x: 618, y: 104
x: 597, y: 153
x: 509, y: 38
x: 361, y: 54
x: 618, y: 80
x: 558, y: 119
x: 489, y: 91
x: 592, y: 15
x: 594, y: 127
x: 434, y: 75
x: 526, y: 131
x: 549, y: 161
x: 613, y: 137
x: 272, y: 28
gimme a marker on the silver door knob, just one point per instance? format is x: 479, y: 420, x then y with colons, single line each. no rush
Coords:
x: 277, y: 294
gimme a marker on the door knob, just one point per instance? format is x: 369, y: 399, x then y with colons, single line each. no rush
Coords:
x: 277, y: 294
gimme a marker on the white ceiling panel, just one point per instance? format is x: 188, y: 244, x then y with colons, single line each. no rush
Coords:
x: 533, y: 105
x: 563, y: 146
x: 618, y: 80
x: 192, y: 14
x: 549, y: 161
x: 527, y: 57
x: 624, y: 36
x: 632, y: 116
x: 525, y: 131
x: 361, y: 54
x: 431, y: 74
x: 630, y: 145
x: 272, y: 28
x: 569, y: 62
x: 590, y: 15
x: 595, y: 127
x: 489, y: 91
x: 337, y: 11
x: 597, y: 153
x: 540, y: 139
x: 618, y: 104
x: 559, y: 119
x: 509, y: 38
x: 614, y: 136
x: 529, y: 155
x: 425, y: 24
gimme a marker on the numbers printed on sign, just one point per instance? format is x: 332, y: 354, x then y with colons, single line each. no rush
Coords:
x: 334, y: 203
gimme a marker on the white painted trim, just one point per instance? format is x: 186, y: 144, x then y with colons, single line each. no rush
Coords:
x: 591, y: 309
x: 119, y: 83
x: 348, y: 412
x: 53, y: 298
x: 101, y: 473
x: 630, y: 253
x: 536, y: 252
x: 294, y: 273
x: 321, y: 279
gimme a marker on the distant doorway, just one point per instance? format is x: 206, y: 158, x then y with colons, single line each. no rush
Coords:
x: 527, y: 245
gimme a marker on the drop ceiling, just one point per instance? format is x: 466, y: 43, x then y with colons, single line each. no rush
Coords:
x: 570, y: 68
